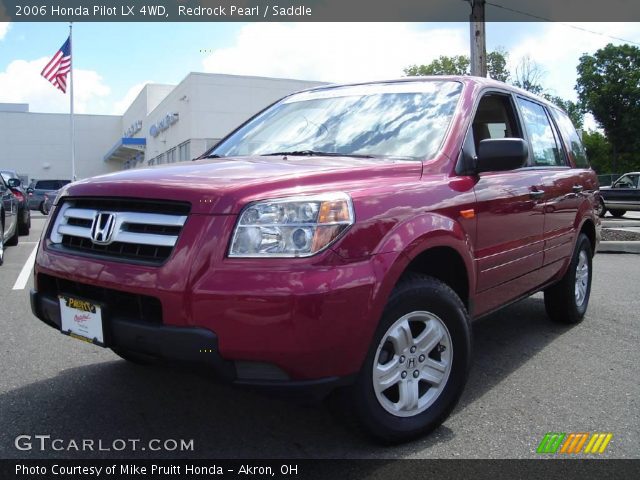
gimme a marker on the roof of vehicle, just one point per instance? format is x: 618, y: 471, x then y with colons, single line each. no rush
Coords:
x: 465, y: 79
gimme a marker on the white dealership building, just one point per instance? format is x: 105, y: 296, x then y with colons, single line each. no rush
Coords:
x: 164, y: 124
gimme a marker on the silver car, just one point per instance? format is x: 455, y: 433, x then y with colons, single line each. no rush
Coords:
x: 38, y: 188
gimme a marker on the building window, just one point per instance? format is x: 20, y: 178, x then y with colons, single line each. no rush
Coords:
x: 184, y: 153
x: 171, y: 156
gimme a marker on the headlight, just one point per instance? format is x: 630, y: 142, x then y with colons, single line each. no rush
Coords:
x: 291, y: 227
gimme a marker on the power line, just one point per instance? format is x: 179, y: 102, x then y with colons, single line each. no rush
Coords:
x: 575, y: 27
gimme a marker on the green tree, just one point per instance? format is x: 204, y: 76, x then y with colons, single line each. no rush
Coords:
x: 608, y: 86
x: 598, y: 150
x: 572, y: 108
x: 443, y: 65
x: 460, y: 65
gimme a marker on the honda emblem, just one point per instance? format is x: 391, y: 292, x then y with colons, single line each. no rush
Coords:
x: 102, y: 228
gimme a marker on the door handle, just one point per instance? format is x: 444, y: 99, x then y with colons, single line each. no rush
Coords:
x: 536, y: 194
x: 577, y: 188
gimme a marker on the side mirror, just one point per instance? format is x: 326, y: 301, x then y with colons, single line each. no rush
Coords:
x: 14, y: 182
x: 499, y: 154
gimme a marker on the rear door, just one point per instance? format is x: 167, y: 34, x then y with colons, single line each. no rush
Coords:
x: 563, y: 191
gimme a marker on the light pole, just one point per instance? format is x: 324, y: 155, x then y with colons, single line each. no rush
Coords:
x: 477, y: 36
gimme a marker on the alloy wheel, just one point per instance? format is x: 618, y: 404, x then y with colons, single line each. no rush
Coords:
x: 412, y: 364
x: 582, y: 278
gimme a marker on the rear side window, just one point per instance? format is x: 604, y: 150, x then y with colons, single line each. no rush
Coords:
x: 48, y: 185
x: 568, y: 131
x: 546, y: 151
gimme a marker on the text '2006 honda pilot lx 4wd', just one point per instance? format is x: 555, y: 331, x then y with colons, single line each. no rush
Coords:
x: 343, y: 237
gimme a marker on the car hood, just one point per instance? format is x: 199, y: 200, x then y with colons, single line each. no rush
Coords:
x: 223, y: 186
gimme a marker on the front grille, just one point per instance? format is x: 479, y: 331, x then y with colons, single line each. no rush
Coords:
x: 130, y: 251
x: 126, y: 305
x: 112, y: 204
x: 137, y: 230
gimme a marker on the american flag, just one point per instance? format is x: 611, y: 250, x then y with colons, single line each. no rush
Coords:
x: 59, y: 67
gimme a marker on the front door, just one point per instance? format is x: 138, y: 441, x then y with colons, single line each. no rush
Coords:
x: 509, y: 207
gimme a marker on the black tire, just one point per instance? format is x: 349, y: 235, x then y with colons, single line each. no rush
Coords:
x: 25, y: 222
x: 560, y: 299
x: 134, y: 357
x: 601, y: 210
x: 15, y: 238
x: 415, y: 293
x: 618, y: 213
x: 42, y: 210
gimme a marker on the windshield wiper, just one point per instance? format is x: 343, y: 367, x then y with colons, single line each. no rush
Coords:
x: 213, y: 155
x: 315, y: 153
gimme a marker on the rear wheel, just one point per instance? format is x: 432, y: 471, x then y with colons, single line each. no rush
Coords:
x: 567, y: 300
x: 618, y: 213
x: 25, y: 222
x: 417, y: 364
x: 601, y: 209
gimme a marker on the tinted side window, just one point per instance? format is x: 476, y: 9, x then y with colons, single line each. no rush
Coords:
x: 545, y: 149
x: 494, y: 119
x: 47, y: 185
x: 627, y: 181
x: 570, y: 135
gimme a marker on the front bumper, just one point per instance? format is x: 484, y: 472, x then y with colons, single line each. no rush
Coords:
x: 193, y: 346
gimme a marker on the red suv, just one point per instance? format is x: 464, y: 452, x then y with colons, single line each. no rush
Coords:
x: 345, y: 236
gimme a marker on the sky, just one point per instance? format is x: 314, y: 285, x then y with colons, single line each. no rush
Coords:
x: 112, y: 61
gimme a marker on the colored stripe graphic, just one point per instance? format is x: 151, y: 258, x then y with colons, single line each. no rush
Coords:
x: 598, y: 443
x: 572, y: 443
x: 551, y: 442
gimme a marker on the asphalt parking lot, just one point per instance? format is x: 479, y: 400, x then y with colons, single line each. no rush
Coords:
x: 529, y: 377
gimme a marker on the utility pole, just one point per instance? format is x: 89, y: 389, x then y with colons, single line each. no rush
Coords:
x: 478, y: 39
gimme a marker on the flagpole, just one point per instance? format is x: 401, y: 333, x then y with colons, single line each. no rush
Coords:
x: 73, y: 145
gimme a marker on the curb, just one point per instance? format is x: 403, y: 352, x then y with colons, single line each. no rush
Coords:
x: 619, y: 247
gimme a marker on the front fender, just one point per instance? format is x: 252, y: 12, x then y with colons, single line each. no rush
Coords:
x: 408, y: 240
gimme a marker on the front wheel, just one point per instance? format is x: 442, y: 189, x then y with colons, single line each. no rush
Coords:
x: 14, y: 239
x: 418, y: 362
x: 618, y: 213
x: 567, y: 300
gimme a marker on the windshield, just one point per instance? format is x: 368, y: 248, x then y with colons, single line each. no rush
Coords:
x: 404, y: 119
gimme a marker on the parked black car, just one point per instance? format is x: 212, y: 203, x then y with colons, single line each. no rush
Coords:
x: 37, y: 189
x: 8, y: 218
x: 24, y: 214
x: 621, y: 196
